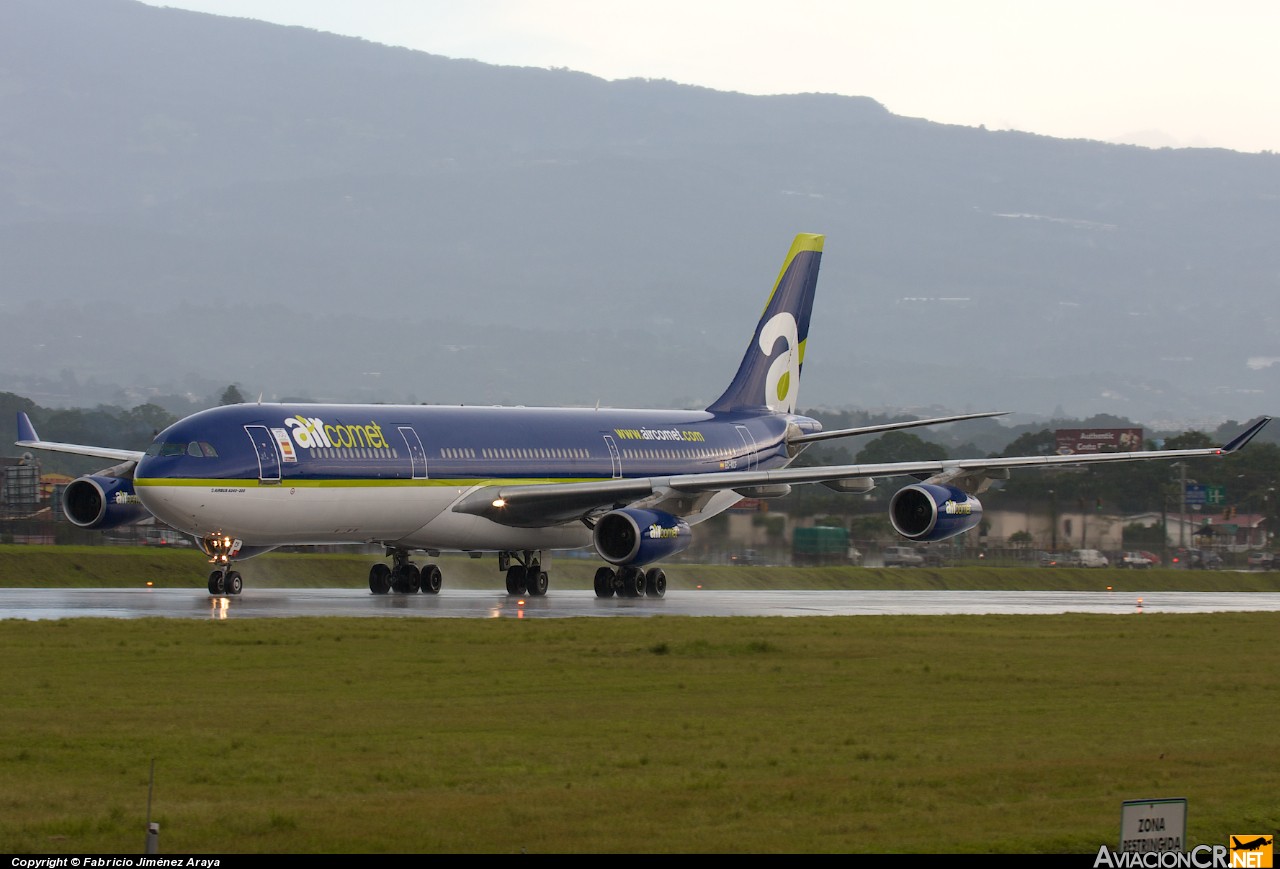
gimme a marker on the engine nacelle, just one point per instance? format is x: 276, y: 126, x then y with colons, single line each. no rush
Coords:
x: 927, y: 511
x: 102, y: 503
x: 631, y: 536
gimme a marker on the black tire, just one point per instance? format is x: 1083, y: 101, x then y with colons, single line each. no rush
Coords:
x: 536, y: 581
x: 606, y: 577
x: 380, y: 579
x: 216, y: 582
x: 410, y: 579
x: 632, y: 582
x: 515, y: 579
x: 233, y: 582
x: 655, y: 583
x: 620, y: 581
x: 432, y: 579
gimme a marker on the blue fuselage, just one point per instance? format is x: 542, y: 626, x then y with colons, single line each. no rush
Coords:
x: 272, y: 475
x: 347, y: 443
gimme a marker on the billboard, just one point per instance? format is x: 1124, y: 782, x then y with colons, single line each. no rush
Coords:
x: 1071, y: 441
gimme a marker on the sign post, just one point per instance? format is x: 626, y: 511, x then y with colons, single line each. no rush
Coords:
x: 1153, y: 825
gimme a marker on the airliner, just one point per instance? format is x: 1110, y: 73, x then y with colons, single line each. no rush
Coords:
x: 523, y: 482
x: 1252, y: 844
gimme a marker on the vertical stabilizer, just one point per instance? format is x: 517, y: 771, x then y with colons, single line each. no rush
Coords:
x: 769, y: 376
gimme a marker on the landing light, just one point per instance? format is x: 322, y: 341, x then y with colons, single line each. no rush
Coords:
x: 499, y: 502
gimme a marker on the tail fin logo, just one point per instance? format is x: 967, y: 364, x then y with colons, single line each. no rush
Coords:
x: 784, y: 373
x: 768, y: 376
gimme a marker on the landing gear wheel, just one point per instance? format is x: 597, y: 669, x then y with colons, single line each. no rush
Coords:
x: 216, y: 582
x: 379, y: 579
x: 431, y: 579
x: 632, y: 582
x: 233, y: 582
x: 536, y: 581
x: 606, y: 578
x: 408, y: 579
x: 515, y: 579
x: 655, y: 583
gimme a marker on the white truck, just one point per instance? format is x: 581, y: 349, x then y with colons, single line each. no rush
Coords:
x: 1087, y: 558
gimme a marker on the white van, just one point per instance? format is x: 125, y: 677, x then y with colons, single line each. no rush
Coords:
x: 902, y: 556
x: 1088, y: 558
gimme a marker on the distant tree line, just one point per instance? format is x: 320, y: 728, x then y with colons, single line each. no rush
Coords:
x: 105, y: 425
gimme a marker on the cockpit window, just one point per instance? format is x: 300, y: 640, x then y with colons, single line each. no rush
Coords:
x: 199, y: 449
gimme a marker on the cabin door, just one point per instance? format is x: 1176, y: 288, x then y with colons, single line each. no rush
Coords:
x: 615, y: 460
x: 264, y: 444
x: 749, y: 445
x: 417, y: 455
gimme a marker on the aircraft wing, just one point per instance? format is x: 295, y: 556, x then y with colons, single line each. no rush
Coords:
x: 28, y: 438
x: 531, y: 505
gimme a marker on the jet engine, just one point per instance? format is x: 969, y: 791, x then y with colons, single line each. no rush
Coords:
x: 101, y: 502
x: 927, y: 512
x: 631, y: 536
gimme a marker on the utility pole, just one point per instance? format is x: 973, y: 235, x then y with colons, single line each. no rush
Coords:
x: 1053, y: 516
x: 1182, y: 523
x: 153, y: 830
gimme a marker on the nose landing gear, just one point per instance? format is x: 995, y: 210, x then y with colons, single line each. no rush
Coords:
x: 225, y: 581
x: 222, y: 550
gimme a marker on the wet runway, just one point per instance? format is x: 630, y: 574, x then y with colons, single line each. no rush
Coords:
x: 128, y: 603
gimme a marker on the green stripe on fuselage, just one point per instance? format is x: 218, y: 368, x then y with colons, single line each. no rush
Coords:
x: 367, y: 482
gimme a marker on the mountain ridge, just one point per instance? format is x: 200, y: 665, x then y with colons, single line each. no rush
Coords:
x: 190, y: 196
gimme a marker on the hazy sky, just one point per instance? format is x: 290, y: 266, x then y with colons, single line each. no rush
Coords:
x: 1149, y: 72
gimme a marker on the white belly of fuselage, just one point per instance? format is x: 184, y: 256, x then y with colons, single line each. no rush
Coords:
x: 416, y: 517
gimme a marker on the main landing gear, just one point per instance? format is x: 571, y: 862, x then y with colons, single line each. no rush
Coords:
x: 525, y: 577
x: 630, y: 582
x: 403, y: 576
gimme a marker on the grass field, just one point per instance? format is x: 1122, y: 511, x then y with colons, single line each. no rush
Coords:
x: 875, y: 734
